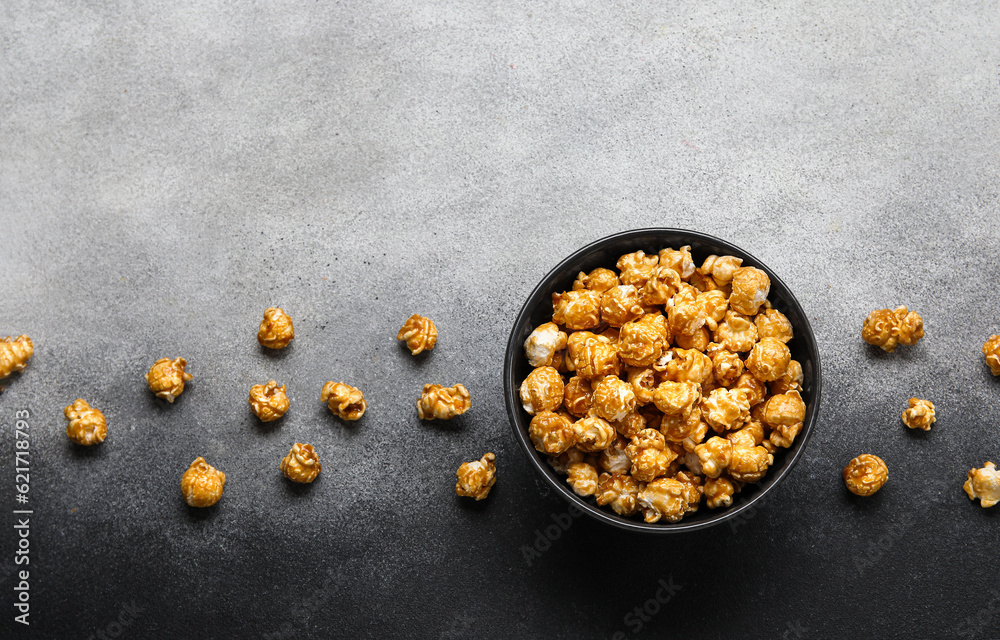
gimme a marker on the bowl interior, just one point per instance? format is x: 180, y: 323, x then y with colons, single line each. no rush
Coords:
x: 605, y: 253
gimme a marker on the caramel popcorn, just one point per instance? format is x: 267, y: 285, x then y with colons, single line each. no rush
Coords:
x: 593, y: 434
x: 619, y: 490
x: 87, y: 425
x: 269, y: 401
x: 886, y: 329
x: 444, y: 403
x: 475, y: 479
x: 276, y: 329
x: 984, y: 484
x: 647, y: 360
x: 919, y: 415
x: 750, y: 289
x: 991, y: 349
x: 580, y: 309
x: 599, y: 280
x: 345, y: 401
x: 301, y: 464
x: 14, y: 354
x: 649, y: 455
x: 202, y: 484
x: 421, y: 334
x: 613, y: 399
x: 771, y: 323
x: 166, y: 378
x: 542, y: 390
x: 583, y: 478
x: 768, y: 359
x: 865, y: 474
x: 551, y: 433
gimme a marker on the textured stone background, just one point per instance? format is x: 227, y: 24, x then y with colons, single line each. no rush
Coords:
x: 170, y: 169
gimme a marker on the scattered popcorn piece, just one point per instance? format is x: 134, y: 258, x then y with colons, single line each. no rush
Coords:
x: 444, y: 403
x: 14, y: 354
x: 421, y: 334
x: 991, y: 349
x: 919, y: 415
x: 475, y: 479
x: 886, y: 328
x: 984, y: 484
x: 346, y: 402
x: 166, y: 378
x: 202, y: 484
x: 268, y: 402
x: 301, y: 464
x: 865, y: 474
x: 276, y: 330
x: 87, y: 426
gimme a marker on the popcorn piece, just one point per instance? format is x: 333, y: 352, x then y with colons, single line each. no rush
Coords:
x: 720, y: 268
x: 886, y: 329
x: 692, y: 490
x: 737, y: 333
x: 276, y: 330
x: 685, y: 312
x: 542, y: 390
x: 714, y: 456
x: 719, y: 492
x: 202, y: 484
x: 689, y: 365
x: 750, y: 289
x: 346, y: 402
x: 613, y: 399
x: 583, y: 478
x: 687, y: 432
x: 620, y: 305
x: 268, y: 402
x: 444, y: 403
x: 580, y: 309
x: 660, y: 287
x: 679, y: 260
x: 87, y: 426
x: 727, y: 367
x: 784, y: 413
x: 599, y: 280
x: 790, y: 380
x: 551, y: 433
x: 768, y: 359
x: 14, y: 354
x: 541, y: 346
x: 631, y: 425
x: 643, y: 381
x: 593, y: 434
x: 726, y: 409
x: 577, y: 396
x: 677, y: 398
x: 619, y: 490
x: 636, y: 268
x: 699, y: 340
x: 301, y: 464
x: 421, y: 334
x: 991, y: 349
x: 475, y: 479
x: 919, y: 415
x: 562, y: 462
x: 663, y: 499
x: 641, y: 342
x: 984, y: 484
x: 716, y: 305
x: 749, y: 464
x: 166, y: 378
x: 756, y: 389
x: 865, y: 474
x: 614, y: 459
x: 771, y: 323
x: 596, y: 359
x: 649, y: 455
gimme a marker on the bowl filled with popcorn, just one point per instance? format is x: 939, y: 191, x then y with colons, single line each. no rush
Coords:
x: 662, y: 380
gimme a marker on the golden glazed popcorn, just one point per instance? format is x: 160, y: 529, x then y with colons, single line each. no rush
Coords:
x: 886, y: 328
x: 984, y: 484
x: 991, y: 350
x: 919, y: 415
x: 268, y: 402
x: 301, y: 464
x: 639, y: 364
x: 865, y: 474
x: 475, y: 479
x: 276, y: 329
x: 346, y: 402
x: 166, y: 378
x: 202, y: 484
x: 14, y: 354
x: 420, y: 334
x: 87, y: 425
x: 444, y: 403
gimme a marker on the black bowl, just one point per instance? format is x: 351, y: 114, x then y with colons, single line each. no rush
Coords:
x: 605, y: 253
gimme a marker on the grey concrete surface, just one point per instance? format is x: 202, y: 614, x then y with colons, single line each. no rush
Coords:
x: 170, y: 169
